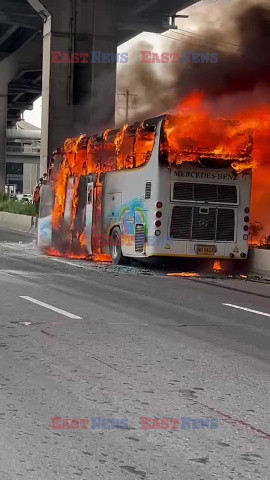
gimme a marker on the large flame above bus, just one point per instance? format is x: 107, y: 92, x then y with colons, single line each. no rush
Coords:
x: 195, y: 135
x: 246, y: 131
x: 190, y: 134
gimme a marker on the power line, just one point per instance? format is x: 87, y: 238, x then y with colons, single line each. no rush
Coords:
x: 220, y: 43
x: 203, y: 36
x: 188, y: 41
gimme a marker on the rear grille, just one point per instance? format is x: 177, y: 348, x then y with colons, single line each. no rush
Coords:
x: 181, y: 222
x: 203, y: 192
x: 139, y: 238
x: 225, y: 225
x: 183, y: 191
x: 188, y: 223
x: 227, y: 194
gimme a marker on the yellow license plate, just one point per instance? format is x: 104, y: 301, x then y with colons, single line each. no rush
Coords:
x: 205, y: 250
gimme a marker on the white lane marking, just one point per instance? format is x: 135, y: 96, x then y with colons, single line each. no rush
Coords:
x: 50, y: 307
x: 247, y: 309
x: 118, y: 323
x: 66, y: 262
x: 138, y: 325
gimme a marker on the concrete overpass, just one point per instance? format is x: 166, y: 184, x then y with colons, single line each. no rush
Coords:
x: 75, y: 96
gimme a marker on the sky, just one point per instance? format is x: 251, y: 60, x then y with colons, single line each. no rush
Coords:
x: 34, y: 116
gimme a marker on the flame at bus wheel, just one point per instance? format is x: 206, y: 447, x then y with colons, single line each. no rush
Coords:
x: 217, y: 266
x: 192, y: 134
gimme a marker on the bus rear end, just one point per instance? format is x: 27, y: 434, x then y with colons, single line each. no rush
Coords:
x: 208, y: 211
x: 204, y: 190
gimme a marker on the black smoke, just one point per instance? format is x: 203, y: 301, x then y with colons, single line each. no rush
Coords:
x: 239, y: 33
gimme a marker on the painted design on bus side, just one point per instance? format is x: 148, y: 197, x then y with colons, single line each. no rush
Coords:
x: 45, y: 231
x: 127, y: 216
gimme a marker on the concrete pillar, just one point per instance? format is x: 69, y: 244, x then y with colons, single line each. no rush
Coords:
x: 79, y: 97
x: 30, y: 176
x: 3, y: 130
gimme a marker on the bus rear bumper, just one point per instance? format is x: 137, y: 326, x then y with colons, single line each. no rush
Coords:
x: 214, y: 257
x: 230, y: 250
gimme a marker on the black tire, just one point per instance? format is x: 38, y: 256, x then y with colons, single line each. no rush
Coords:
x: 115, y: 247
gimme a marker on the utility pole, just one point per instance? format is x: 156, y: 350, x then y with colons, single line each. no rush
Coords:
x: 127, y: 94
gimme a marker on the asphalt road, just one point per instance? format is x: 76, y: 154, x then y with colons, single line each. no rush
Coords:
x: 126, y: 343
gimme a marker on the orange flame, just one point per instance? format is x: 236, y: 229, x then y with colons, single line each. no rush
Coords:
x: 52, y: 252
x: 83, y: 239
x: 84, y: 155
x: 183, y: 274
x: 95, y: 258
x: 193, y: 134
x: 243, y: 139
x: 101, y: 257
x: 217, y: 266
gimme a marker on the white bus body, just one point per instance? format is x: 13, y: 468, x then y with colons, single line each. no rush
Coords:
x: 202, y: 214
x: 181, y: 211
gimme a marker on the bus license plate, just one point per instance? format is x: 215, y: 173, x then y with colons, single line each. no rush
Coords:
x: 206, y: 250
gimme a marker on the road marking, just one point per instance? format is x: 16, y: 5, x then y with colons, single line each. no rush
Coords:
x: 118, y: 323
x: 247, y: 309
x: 73, y: 264
x: 50, y: 307
x: 137, y: 325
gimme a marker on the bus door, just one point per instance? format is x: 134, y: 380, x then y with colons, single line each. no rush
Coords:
x: 97, y: 242
x: 89, y: 217
x: 45, y: 216
x: 72, y: 185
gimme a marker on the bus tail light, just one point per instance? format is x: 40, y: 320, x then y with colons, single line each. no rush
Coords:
x: 243, y: 255
x: 247, y: 210
x: 158, y: 214
x: 245, y: 237
x: 158, y: 223
x: 159, y: 204
x: 246, y: 228
x: 246, y: 219
x: 157, y: 233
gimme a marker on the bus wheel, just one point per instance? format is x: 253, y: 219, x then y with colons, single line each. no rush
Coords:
x: 115, y: 247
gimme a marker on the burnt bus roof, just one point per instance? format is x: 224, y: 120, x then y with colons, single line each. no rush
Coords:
x: 203, y: 156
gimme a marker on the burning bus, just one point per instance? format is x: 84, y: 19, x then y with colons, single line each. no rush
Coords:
x: 151, y: 189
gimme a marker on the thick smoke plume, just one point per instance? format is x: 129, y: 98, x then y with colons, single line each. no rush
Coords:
x: 239, y: 31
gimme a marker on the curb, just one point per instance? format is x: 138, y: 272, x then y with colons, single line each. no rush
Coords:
x: 18, y: 223
x: 235, y: 289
